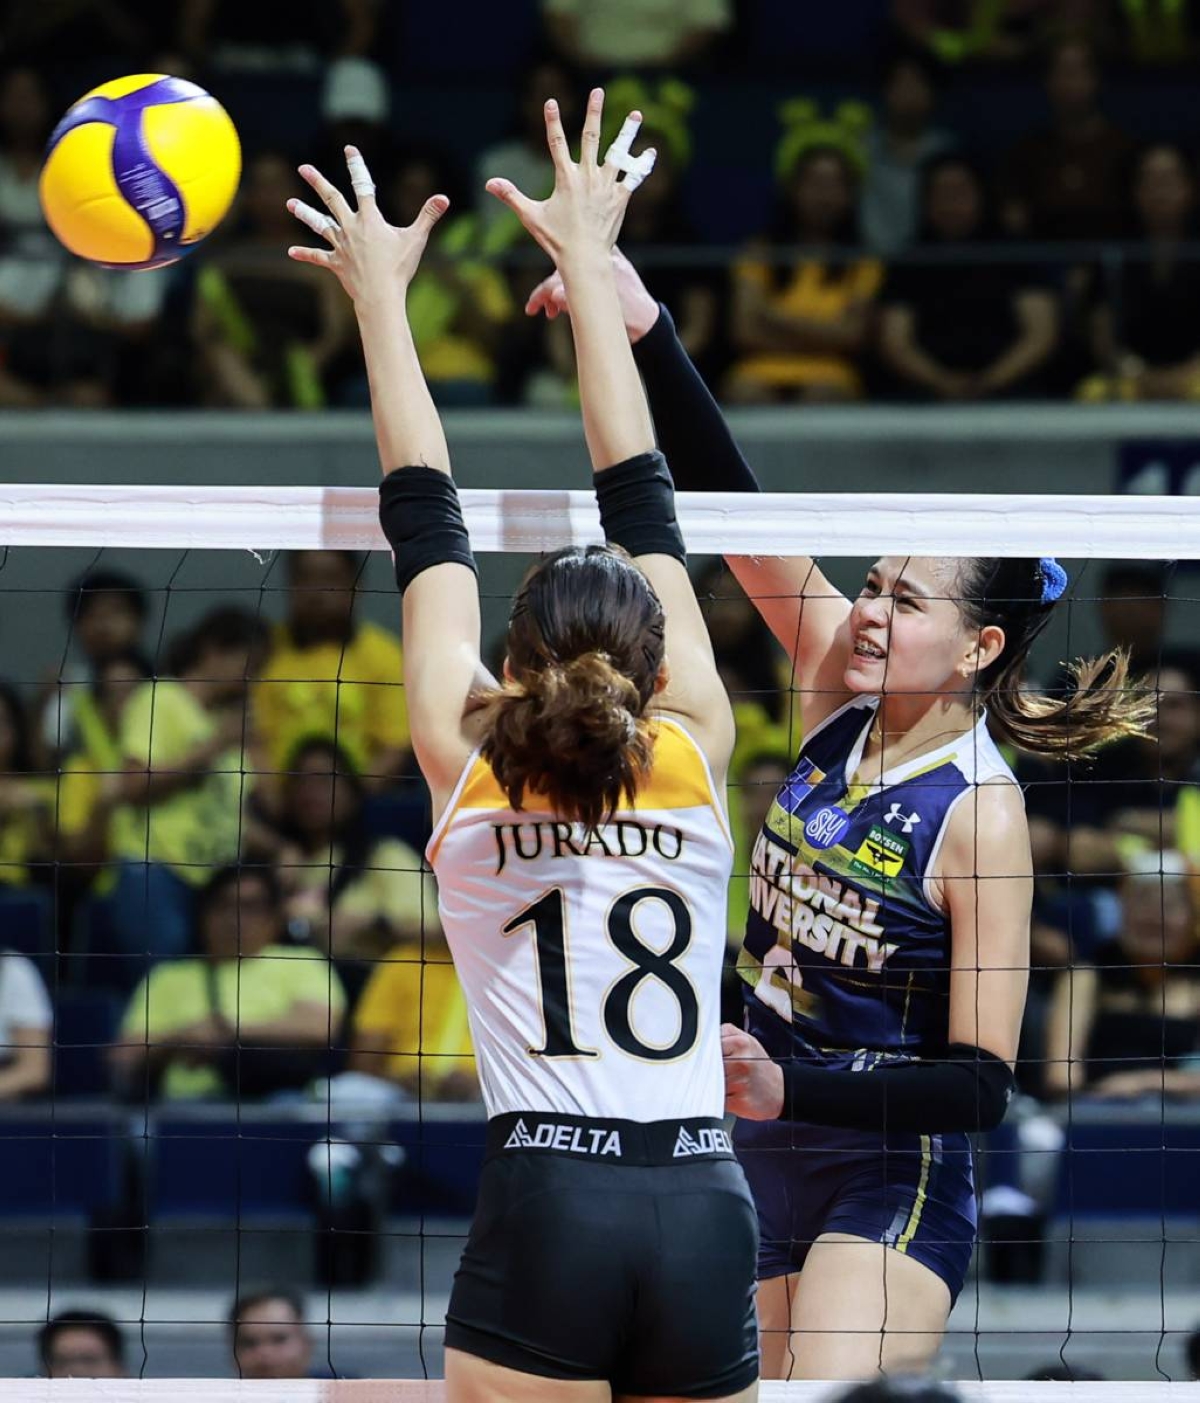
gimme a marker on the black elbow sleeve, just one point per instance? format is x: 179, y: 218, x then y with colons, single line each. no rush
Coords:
x: 637, y: 507
x: 994, y: 1083
x: 422, y: 519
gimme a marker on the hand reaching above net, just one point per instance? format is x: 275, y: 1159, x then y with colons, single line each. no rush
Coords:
x: 371, y: 258
x: 587, y: 206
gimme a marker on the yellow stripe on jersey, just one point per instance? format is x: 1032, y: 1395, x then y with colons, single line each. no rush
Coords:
x: 914, y: 1217
x: 929, y: 769
x: 678, y: 780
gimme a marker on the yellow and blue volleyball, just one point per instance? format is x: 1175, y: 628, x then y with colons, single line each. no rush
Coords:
x: 139, y: 171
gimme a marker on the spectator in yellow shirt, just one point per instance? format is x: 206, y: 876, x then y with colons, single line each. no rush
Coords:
x: 185, y: 743
x: 410, y: 1026
x: 106, y: 613
x: 248, y: 1018
x: 350, y: 894
x: 803, y: 326
x: 26, y: 798
x: 92, y: 783
x: 328, y: 675
x: 669, y: 34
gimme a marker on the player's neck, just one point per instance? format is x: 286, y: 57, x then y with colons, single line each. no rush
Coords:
x: 905, y: 728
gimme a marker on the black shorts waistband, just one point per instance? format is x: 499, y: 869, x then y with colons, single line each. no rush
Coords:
x: 609, y: 1141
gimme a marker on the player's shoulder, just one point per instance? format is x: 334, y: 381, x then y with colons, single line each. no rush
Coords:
x: 680, y: 775
x: 988, y: 830
x: 980, y: 761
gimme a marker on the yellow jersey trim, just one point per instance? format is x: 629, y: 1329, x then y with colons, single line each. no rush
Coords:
x: 679, y: 779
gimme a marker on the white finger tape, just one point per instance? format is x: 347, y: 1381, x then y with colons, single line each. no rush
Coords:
x: 360, y: 177
x: 319, y: 223
x: 638, y: 168
x: 618, y: 152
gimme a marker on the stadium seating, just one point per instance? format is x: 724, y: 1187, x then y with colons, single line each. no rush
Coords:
x: 27, y: 926
x: 85, y: 1021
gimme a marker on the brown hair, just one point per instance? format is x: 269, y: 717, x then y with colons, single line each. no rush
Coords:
x: 1105, y: 704
x: 585, y: 648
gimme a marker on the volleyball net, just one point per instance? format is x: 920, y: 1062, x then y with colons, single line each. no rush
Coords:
x: 306, y: 1391
x: 238, y: 1058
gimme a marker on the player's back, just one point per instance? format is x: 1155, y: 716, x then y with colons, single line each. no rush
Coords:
x: 591, y: 961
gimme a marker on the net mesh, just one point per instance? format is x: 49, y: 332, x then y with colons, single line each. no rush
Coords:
x: 337, y: 1151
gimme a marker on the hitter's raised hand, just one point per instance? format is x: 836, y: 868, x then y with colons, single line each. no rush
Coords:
x: 638, y: 307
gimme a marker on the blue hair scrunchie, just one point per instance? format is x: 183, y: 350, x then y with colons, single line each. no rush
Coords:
x: 1054, y: 579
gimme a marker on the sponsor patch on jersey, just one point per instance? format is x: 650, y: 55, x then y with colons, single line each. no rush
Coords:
x: 826, y: 827
x: 708, y: 1140
x: 880, y: 854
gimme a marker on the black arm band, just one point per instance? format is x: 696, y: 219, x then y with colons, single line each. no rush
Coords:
x: 691, y: 428
x: 423, y: 522
x: 969, y: 1090
x: 637, y: 507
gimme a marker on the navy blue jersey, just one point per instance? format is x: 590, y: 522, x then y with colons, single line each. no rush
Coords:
x: 847, y: 953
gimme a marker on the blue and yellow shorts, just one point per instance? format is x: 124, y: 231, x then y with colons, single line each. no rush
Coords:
x: 913, y: 1193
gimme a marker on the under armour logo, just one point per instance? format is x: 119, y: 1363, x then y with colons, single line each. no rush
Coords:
x: 907, y: 822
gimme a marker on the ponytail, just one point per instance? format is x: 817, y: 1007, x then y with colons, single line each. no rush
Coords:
x: 1102, y: 707
x: 571, y: 734
x: 1019, y: 596
x: 585, y: 649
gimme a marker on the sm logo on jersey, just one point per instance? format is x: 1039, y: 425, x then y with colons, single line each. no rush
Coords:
x: 826, y: 826
x: 880, y: 854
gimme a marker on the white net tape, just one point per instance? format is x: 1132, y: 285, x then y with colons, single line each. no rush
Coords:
x: 402, y: 1391
x: 828, y: 524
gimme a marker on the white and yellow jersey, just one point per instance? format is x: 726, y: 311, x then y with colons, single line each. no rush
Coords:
x: 592, y: 962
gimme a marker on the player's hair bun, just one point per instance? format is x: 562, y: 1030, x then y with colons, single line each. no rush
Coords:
x: 568, y: 731
x: 570, y: 736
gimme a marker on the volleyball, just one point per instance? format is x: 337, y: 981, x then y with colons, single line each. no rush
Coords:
x: 139, y: 171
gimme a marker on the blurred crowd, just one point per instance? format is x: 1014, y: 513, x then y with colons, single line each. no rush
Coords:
x: 224, y: 848
x: 212, y: 889
x: 211, y: 880
x: 223, y: 858
x: 929, y: 200
x: 270, y: 1338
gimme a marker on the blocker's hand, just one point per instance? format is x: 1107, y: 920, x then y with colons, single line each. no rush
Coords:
x: 370, y: 256
x: 589, y: 199
x: 753, y: 1083
x: 638, y: 307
